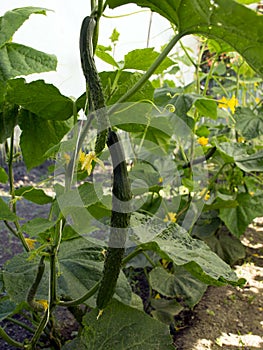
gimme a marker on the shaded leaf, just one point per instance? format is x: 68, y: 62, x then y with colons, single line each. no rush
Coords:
x: 177, y: 284
x: 237, y: 219
x: 8, y: 120
x: 7, y: 307
x: 249, y: 124
x: 38, y: 136
x: 81, y: 266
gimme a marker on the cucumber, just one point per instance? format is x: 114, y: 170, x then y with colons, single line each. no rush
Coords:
x: 121, y: 191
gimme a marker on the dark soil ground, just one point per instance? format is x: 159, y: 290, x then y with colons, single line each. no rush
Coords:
x: 226, y: 318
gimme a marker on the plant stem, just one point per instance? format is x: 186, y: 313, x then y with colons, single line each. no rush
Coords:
x: 12, y: 192
x: 9, y: 340
x: 21, y: 324
x: 40, y: 328
x: 148, y: 73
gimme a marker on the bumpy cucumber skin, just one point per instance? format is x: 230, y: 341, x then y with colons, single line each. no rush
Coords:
x: 120, y: 220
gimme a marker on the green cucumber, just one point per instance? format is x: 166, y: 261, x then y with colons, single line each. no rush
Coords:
x: 121, y: 191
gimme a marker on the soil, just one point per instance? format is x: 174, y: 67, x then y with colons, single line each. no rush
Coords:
x: 226, y: 318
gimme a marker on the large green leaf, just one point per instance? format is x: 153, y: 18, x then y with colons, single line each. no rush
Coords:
x: 141, y: 59
x: 249, y: 124
x: 175, y: 244
x: 17, y: 59
x: 12, y: 20
x: 226, y: 20
x: 121, y: 327
x: 39, y: 135
x: 80, y: 266
x: 177, y: 284
x: 42, y: 99
x: 237, y: 219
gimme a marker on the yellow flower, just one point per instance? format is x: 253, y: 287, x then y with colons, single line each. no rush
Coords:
x: 160, y: 180
x: 207, y: 196
x: 257, y: 99
x: 44, y: 303
x: 252, y: 193
x: 170, y: 217
x: 86, y: 161
x: 165, y: 263
x: 228, y: 103
x: 203, y: 141
x: 31, y: 243
x: 240, y: 139
x: 157, y: 296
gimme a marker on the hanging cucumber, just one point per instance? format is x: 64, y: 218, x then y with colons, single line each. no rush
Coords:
x: 121, y: 191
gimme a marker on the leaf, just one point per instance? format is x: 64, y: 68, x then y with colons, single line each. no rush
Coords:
x: 42, y: 99
x: 122, y: 327
x: 80, y: 264
x: 122, y: 82
x: 240, y: 154
x: 249, y: 124
x: 7, y: 307
x: 37, y: 226
x: 34, y: 195
x: 206, y: 107
x: 38, y: 136
x: 141, y: 59
x: 12, y: 21
x: 102, y: 53
x: 237, y: 219
x: 17, y: 59
x: 227, y: 246
x: 225, y: 20
x: 175, y: 244
x: 6, y: 213
x: 166, y: 310
x: 8, y: 120
x: 178, y: 284
x: 249, y: 163
x: 3, y: 176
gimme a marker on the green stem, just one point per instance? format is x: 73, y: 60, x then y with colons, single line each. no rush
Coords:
x: 148, y: 73
x: 39, y: 330
x: 21, y: 324
x: 12, y: 192
x: 81, y: 300
x: 9, y: 340
x: 10, y: 228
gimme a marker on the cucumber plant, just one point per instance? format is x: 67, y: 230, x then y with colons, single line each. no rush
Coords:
x: 194, y: 165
